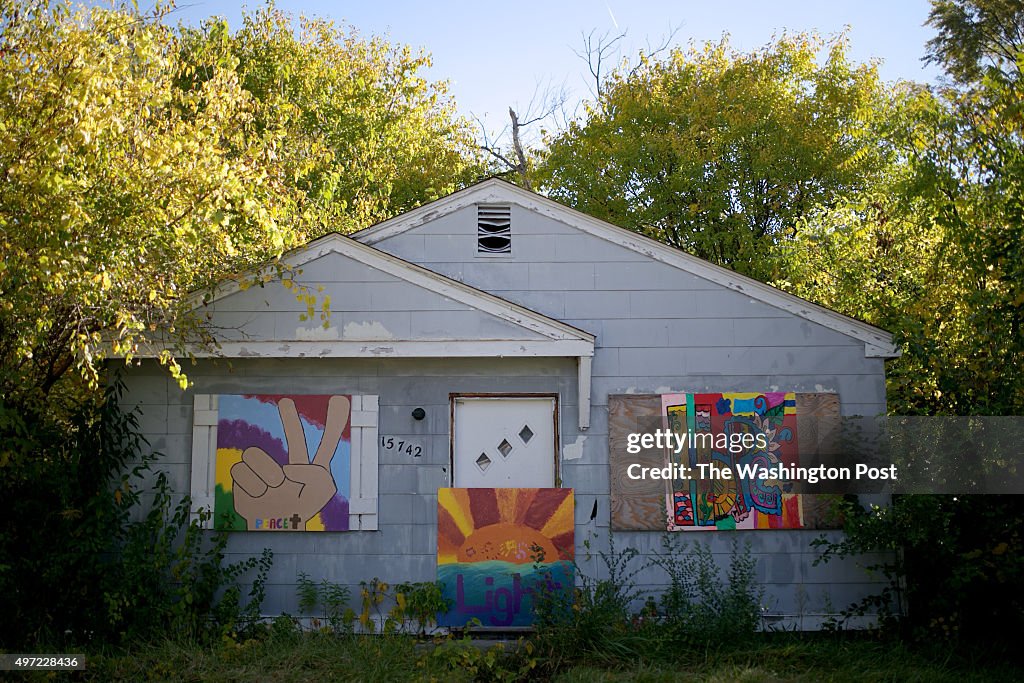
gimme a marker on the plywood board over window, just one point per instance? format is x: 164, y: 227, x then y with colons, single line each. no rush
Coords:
x: 285, y: 462
x: 636, y: 504
x: 654, y: 504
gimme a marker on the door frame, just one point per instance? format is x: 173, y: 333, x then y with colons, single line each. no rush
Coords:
x: 453, y: 397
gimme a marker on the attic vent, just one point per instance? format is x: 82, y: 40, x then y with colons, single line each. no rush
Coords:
x: 493, y: 229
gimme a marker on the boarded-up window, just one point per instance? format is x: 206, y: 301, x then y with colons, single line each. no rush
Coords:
x: 794, y: 427
x: 295, y: 462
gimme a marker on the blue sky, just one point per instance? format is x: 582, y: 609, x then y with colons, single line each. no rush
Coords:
x: 496, y: 54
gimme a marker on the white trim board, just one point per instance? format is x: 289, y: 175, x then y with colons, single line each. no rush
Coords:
x: 878, y: 342
x: 445, y: 348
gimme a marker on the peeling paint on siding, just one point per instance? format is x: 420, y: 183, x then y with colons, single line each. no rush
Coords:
x: 574, y: 451
x: 366, y: 331
x: 316, y: 333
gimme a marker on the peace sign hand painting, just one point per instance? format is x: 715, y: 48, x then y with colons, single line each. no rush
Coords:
x: 265, y: 478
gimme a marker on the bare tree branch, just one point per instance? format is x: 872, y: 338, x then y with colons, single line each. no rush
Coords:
x: 595, y: 52
x: 520, y: 155
x: 662, y: 46
x: 513, y: 155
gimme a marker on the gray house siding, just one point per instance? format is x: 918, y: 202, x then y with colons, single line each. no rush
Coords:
x: 405, y: 546
x: 660, y: 329
x: 657, y: 328
x: 364, y: 303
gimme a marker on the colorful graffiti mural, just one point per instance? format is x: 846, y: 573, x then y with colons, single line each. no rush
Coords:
x: 746, y: 433
x: 497, y: 547
x: 265, y: 478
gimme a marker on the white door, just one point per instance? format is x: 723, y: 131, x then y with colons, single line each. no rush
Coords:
x: 504, y: 442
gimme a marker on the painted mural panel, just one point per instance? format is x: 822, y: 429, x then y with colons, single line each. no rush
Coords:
x: 265, y: 477
x: 746, y: 433
x: 488, y: 545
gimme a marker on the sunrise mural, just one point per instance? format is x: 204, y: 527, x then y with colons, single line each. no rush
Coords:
x: 497, y: 547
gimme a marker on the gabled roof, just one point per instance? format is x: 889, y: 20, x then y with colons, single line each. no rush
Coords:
x: 546, y: 336
x: 540, y: 336
x: 878, y: 342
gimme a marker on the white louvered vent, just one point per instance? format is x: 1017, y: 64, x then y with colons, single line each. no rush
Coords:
x: 493, y: 229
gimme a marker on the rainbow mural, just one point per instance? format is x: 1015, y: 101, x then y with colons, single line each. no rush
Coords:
x: 497, y: 547
x: 283, y: 462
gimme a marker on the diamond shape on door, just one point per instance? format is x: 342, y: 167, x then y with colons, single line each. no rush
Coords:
x: 483, y: 462
x: 504, y: 448
x: 526, y: 433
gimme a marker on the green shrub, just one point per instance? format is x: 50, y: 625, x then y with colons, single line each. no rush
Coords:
x: 407, y: 608
x: 76, y: 566
x: 172, y: 573
x: 952, y: 564
x: 66, y: 484
x: 594, y: 622
x: 463, y: 658
x: 332, y: 598
x: 698, y: 607
x: 417, y: 606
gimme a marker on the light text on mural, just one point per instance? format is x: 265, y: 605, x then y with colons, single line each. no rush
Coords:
x: 500, y: 605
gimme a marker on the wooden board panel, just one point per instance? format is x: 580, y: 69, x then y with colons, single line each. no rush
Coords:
x: 639, y: 505
x: 818, y: 425
x: 636, y: 504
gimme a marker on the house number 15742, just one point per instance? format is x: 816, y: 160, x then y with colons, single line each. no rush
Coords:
x: 390, y: 443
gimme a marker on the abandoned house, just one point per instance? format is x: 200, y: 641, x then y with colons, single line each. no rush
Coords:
x: 481, y: 351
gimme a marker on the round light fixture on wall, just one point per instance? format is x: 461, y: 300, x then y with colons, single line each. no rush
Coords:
x: 419, y: 414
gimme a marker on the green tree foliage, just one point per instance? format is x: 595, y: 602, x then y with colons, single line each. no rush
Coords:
x: 141, y: 163
x: 367, y: 137
x: 721, y: 153
x: 933, y: 250
x: 976, y: 35
x: 934, y: 253
x: 121, y: 191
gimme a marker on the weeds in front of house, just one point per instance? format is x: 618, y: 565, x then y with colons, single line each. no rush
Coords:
x: 391, y: 609
x: 699, y: 606
x: 501, y: 662
x: 329, y: 599
x: 287, y: 655
x: 608, y: 628
x: 404, y: 608
x: 611, y: 619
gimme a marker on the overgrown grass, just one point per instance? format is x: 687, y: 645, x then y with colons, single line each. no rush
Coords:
x: 791, y: 657
x: 278, y: 657
x: 283, y: 655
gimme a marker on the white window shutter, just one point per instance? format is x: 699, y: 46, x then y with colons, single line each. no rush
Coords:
x: 362, y: 502
x: 204, y: 455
